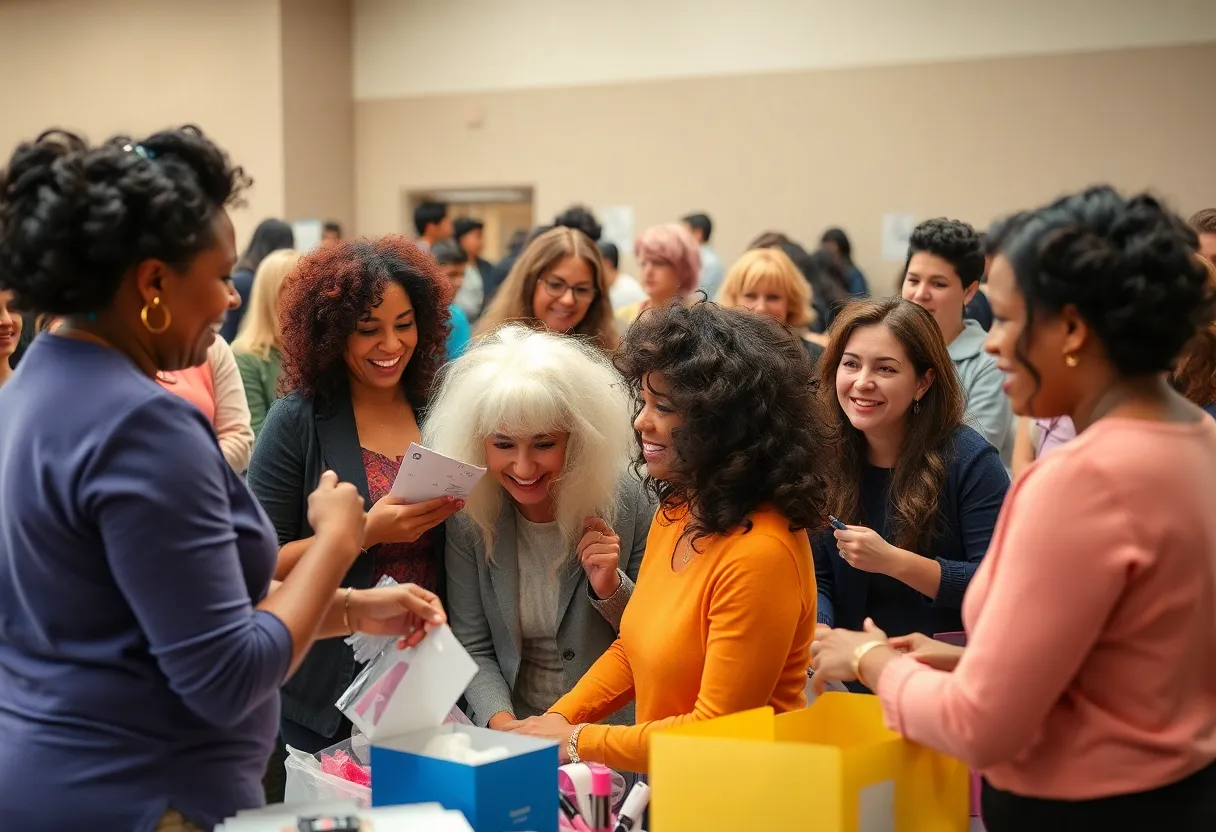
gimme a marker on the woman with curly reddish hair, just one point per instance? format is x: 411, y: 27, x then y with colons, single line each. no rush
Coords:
x: 364, y: 326
x: 723, y: 612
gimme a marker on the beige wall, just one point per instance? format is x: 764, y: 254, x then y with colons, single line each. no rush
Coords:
x: 805, y: 150
x: 318, y: 111
x: 135, y: 66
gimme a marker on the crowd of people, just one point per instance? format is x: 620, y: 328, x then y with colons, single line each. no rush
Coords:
x: 703, y: 485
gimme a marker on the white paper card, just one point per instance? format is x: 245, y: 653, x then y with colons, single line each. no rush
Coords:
x: 425, y: 475
x: 410, y: 690
x: 896, y: 230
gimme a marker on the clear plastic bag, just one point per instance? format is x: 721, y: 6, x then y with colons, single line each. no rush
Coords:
x: 307, y: 783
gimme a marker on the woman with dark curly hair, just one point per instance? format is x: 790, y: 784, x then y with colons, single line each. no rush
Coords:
x: 364, y: 327
x: 723, y: 613
x: 141, y: 645
x: 918, y: 490
x: 1195, y: 370
x: 1086, y: 694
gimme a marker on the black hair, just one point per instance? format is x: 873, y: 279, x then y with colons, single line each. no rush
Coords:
x: 1126, y: 264
x: 449, y: 253
x: 580, y: 218
x: 750, y: 433
x: 464, y: 225
x: 837, y: 237
x: 429, y: 213
x: 610, y: 253
x: 954, y: 241
x: 332, y: 225
x: 701, y: 222
x: 270, y: 235
x: 75, y: 218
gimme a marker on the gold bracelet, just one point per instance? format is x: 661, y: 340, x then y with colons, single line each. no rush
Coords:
x: 859, y: 654
x: 572, y: 743
x: 350, y: 631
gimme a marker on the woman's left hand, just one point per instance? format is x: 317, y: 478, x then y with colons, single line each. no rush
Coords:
x: 404, y: 610
x: 832, y: 655
x: 547, y: 726
x: 865, y: 549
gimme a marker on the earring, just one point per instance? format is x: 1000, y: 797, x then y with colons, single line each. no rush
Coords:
x: 916, y: 406
x: 156, y: 304
x: 1071, y: 360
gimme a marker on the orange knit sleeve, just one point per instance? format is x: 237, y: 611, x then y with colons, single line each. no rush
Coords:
x: 756, y: 603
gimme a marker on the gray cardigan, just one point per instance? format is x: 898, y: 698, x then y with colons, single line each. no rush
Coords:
x: 483, y: 603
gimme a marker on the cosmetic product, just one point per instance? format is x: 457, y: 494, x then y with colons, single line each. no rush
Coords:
x: 837, y: 524
x: 601, y: 800
x: 571, y: 813
x: 634, y: 808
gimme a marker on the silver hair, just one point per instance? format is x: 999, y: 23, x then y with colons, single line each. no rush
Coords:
x: 521, y: 382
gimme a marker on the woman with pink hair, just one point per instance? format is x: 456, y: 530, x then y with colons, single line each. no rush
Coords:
x: 669, y: 260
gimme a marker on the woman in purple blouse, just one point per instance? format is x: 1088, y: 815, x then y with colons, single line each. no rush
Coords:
x: 141, y: 644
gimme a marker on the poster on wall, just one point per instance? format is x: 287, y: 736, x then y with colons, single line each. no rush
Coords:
x: 896, y: 229
x: 616, y: 222
x: 307, y: 234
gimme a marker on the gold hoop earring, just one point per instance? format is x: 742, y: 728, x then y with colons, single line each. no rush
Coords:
x: 156, y: 304
x: 1071, y: 360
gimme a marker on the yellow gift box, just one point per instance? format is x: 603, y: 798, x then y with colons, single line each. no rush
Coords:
x: 833, y: 767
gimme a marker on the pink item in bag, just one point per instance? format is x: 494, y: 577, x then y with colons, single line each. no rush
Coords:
x: 339, y: 764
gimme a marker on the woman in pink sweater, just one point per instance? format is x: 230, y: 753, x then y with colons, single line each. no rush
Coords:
x: 1087, y: 692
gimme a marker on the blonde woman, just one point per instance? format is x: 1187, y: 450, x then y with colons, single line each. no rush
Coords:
x: 556, y: 284
x: 669, y: 259
x: 541, y: 563
x: 766, y: 281
x: 258, y: 341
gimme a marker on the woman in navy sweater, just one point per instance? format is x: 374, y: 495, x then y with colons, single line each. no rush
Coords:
x: 918, y: 490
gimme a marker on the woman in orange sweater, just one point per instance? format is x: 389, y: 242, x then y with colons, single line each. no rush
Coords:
x: 723, y: 613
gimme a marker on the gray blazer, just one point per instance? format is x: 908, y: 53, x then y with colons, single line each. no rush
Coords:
x: 483, y: 603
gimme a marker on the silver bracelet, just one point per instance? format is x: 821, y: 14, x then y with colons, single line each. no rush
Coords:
x: 572, y: 743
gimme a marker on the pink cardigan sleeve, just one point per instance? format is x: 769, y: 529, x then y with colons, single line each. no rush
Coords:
x: 1058, y: 564
x: 232, y: 420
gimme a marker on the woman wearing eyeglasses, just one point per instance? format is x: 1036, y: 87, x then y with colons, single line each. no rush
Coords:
x: 556, y: 284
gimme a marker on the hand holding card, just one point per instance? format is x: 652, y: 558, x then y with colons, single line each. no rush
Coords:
x: 426, y: 475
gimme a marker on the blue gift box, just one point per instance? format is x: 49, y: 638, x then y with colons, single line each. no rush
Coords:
x: 510, y: 795
x: 400, y: 701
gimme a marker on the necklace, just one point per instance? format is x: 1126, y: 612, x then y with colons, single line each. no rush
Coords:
x: 689, y: 550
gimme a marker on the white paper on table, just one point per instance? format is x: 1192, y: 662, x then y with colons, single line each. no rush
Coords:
x: 425, y: 475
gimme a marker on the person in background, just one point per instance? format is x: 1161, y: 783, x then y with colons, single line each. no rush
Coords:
x: 453, y: 262
x: 364, y: 324
x: 918, y: 490
x: 215, y: 387
x: 670, y: 261
x: 270, y: 235
x: 821, y: 272
x: 1204, y: 224
x: 542, y: 561
x: 519, y: 242
x: 766, y: 281
x: 468, y: 237
x: 723, y: 613
x: 11, y: 325
x: 580, y: 218
x: 836, y: 243
x: 557, y: 284
x: 1086, y: 694
x: 942, y: 273
x: 712, y: 271
x: 331, y: 232
x: 978, y: 309
x: 623, y: 289
x: 258, y: 344
x: 1036, y: 438
x: 1195, y: 370
x: 141, y: 639
x: 433, y: 224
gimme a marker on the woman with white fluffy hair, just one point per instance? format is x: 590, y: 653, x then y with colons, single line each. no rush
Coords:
x: 541, y: 562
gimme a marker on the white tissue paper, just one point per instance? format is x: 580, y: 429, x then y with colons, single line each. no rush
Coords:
x: 459, y: 749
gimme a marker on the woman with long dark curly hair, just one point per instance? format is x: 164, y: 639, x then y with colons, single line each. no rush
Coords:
x: 364, y: 324
x: 918, y: 490
x: 1086, y: 694
x: 1195, y: 370
x: 723, y: 613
